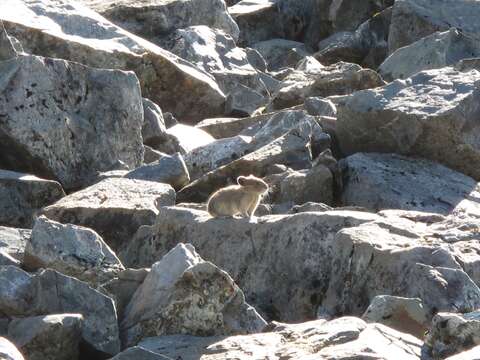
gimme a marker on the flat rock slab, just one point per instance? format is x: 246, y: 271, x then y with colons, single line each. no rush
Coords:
x: 55, y: 116
x: 46, y: 28
x: 23, y: 195
x: 114, y: 207
x: 433, y: 114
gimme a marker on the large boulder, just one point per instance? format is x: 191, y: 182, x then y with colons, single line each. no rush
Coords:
x: 389, y: 181
x: 153, y: 19
x: 255, y: 253
x: 114, y: 207
x: 415, y: 19
x: 13, y: 242
x: 452, y: 333
x: 281, y: 53
x: 23, y: 195
x: 49, y: 292
x: 344, y: 338
x: 50, y: 337
x: 338, y: 79
x: 46, y: 28
x: 431, y: 52
x: 72, y: 250
x: 217, y: 54
x: 77, y: 106
x: 433, y: 114
x: 185, y: 294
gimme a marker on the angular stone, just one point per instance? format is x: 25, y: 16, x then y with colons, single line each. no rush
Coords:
x: 50, y: 337
x: 49, y: 292
x: 55, y: 115
x: 415, y: 19
x: 297, y: 246
x: 338, y: 79
x: 45, y: 28
x: 280, y: 53
x: 139, y: 353
x: 431, y: 115
x: 153, y: 129
x: 72, y: 250
x: 453, y: 333
x: 189, y: 137
x: 466, y: 355
x: 7, y: 49
x: 114, y: 207
x: 384, y: 181
x: 435, y: 51
x: 152, y: 19
x: 185, y: 294
x: 168, y: 170
x: 403, y: 314
x: 221, y: 128
x: 243, y: 101
x: 13, y: 242
x: 318, y: 106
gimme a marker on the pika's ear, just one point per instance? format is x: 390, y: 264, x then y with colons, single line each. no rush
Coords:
x: 241, y: 180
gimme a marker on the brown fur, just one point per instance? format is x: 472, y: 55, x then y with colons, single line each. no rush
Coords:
x: 241, y: 199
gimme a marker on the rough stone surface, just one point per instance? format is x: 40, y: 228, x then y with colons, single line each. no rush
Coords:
x: 153, y: 129
x: 72, y: 250
x: 7, y: 49
x: 318, y: 106
x: 433, y: 114
x: 49, y: 292
x: 189, y: 137
x: 280, y: 53
x: 77, y: 105
x: 403, y: 314
x: 185, y: 294
x: 467, y: 355
x: 23, y: 195
x: 384, y: 181
x: 12, y: 245
x: 114, y: 207
x: 338, y: 79
x: 8, y: 351
x: 51, y: 337
x: 453, y: 333
x: 415, y: 19
x: 168, y: 169
x: 344, y: 338
x: 435, y: 51
x: 45, y: 28
x: 254, y: 253
x: 153, y: 19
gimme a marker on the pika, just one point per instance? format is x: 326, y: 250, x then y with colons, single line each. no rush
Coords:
x: 238, y: 199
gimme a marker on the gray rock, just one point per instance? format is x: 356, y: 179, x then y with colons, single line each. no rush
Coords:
x: 344, y: 338
x: 318, y: 106
x: 221, y: 128
x: 7, y: 49
x: 185, y: 294
x: 216, y: 53
x: 50, y: 337
x: 468, y: 64
x: 13, y: 242
x: 243, y: 101
x: 189, y: 137
x: 69, y: 143
x: 256, y: 59
x: 309, y: 207
x: 415, y: 19
x: 23, y: 195
x: 396, y: 257
x: 122, y: 288
x: 431, y: 52
x: 72, y: 250
x: 403, y: 314
x: 338, y: 79
x: 279, y: 261
x: 45, y: 28
x: 114, y: 207
x: 366, y: 46
x: 425, y: 115
x: 49, y: 292
x: 153, y: 19
x: 151, y: 155
x: 453, y: 333
x: 290, y: 149
x: 281, y: 53
x: 153, y: 129
x: 8, y: 351
x: 389, y: 181
x: 168, y: 170
x: 465, y: 355
x: 139, y: 353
